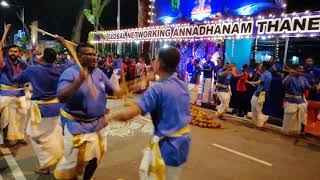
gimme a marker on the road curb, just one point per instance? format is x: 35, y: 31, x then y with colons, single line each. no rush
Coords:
x: 246, y: 122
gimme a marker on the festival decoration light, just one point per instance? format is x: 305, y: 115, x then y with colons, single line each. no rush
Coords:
x: 151, y: 11
x: 167, y: 31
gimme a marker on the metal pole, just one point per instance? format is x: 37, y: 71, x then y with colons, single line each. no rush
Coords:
x: 286, y: 51
x: 22, y: 17
x: 118, y: 15
x: 119, y: 46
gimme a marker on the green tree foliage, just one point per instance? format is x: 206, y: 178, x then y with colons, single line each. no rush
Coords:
x: 175, y: 4
x: 93, y: 15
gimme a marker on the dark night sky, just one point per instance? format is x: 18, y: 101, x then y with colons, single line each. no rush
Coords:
x: 58, y: 16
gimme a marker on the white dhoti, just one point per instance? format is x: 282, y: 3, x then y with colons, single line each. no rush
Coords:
x: 173, y: 173
x: 114, y: 80
x: 206, y: 90
x: 47, y: 140
x: 294, y: 116
x: 45, y: 134
x: 224, y: 98
x: 258, y: 117
x: 13, y: 115
x: 78, y: 151
x: 153, y: 167
x: 194, y: 91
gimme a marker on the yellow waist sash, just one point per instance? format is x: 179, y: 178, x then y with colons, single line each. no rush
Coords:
x: 35, y: 114
x: 69, y: 116
x: 157, y: 165
x: 262, y: 96
x: 293, y: 96
x: 9, y: 88
x: 221, y: 85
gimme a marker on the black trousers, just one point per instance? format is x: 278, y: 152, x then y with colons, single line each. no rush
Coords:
x: 243, y: 102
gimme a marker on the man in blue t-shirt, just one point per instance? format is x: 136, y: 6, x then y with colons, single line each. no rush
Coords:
x: 44, y: 122
x: 207, y: 69
x: 195, y: 81
x: 275, y: 67
x: 82, y: 92
x: 168, y: 103
x: 261, y: 93
x: 190, y: 68
x: 295, y: 108
x: 310, y: 72
x: 117, y: 64
x: 223, y: 88
x: 13, y: 106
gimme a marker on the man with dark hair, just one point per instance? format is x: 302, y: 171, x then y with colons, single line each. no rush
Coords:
x: 207, y: 69
x: 117, y: 71
x: 260, y: 94
x: 195, y: 81
x: 223, y: 88
x: 131, y: 70
x: 44, y: 122
x: 105, y: 66
x: 275, y: 67
x: 242, y: 92
x: 117, y: 64
x: 13, y: 106
x: 64, y: 59
x: 308, y: 71
x: 217, y: 67
x: 82, y: 90
x: 168, y: 103
x: 295, y: 108
x: 190, y: 67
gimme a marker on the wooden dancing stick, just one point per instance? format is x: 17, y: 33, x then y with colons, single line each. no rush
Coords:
x: 49, y: 34
x: 227, y: 58
x: 289, y: 69
x: 150, y: 59
x: 6, y: 30
x: 72, y: 51
x: 124, y: 85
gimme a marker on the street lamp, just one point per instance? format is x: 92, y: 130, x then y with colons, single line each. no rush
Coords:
x: 20, y: 14
x: 4, y: 4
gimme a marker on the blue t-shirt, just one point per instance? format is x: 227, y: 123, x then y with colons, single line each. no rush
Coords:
x: 8, y: 74
x: 190, y: 67
x: 83, y: 104
x: 44, y: 81
x: 117, y: 64
x: 296, y: 87
x: 195, y: 74
x: 266, y: 78
x: 168, y: 102
x: 278, y: 67
x: 66, y: 62
x: 224, y: 80
x: 216, y: 69
x: 208, y: 73
x: 311, y: 74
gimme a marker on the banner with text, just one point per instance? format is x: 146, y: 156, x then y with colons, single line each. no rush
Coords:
x: 288, y: 25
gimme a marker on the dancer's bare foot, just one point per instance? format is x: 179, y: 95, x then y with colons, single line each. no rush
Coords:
x: 42, y: 171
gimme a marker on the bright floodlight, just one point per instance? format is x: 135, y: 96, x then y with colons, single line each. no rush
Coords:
x: 165, y: 46
x: 4, y: 4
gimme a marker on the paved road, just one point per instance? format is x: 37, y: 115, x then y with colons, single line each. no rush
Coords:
x: 289, y: 161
